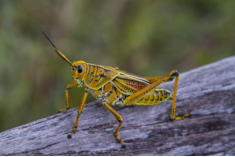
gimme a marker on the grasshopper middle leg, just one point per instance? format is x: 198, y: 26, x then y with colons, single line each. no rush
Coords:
x: 119, y: 119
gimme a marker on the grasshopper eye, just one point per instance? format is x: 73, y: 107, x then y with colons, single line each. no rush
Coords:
x: 79, y: 69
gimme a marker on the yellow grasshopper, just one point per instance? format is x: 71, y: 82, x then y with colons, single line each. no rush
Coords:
x: 112, y: 86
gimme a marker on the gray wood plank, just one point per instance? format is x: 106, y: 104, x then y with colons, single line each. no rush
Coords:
x: 208, y: 93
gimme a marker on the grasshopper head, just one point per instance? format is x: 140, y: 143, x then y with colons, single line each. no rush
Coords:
x: 78, y: 70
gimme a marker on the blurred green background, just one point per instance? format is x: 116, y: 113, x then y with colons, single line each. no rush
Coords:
x: 146, y: 37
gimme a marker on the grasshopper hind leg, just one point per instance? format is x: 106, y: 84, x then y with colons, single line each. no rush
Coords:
x: 175, y: 74
x: 146, y: 96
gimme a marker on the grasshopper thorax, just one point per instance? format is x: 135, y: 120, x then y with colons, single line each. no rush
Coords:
x: 79, y: 71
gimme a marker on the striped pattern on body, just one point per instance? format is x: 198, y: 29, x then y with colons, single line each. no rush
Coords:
x: 112, y: 86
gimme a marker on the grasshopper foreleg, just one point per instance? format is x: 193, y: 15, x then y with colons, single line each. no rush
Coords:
x: 80, y: 108
x: 69, y: 86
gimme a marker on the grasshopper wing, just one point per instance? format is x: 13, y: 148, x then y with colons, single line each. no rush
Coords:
x: 129, y: 84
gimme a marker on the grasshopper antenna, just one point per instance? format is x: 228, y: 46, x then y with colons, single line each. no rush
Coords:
x: 56, y: 50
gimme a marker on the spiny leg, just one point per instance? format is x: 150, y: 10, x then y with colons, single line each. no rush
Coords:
x: 119, y: 119
x: 172, y: 116
x: 155, y: 81
x: 80, y: 108
x: 69, y: 86
x: 166, y: 78
x: 173, y: 74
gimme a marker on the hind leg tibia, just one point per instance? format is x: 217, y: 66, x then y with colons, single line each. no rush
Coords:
x: 175, y: 74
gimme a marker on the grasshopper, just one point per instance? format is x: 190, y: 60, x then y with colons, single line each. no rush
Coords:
x: 112, y: 86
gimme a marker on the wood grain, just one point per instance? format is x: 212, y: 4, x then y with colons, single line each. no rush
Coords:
x: 208, y: 93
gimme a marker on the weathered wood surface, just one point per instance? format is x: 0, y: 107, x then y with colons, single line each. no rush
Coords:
x: 208, y: 93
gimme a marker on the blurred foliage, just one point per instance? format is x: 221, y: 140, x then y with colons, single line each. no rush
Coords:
x: 143, y: 37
